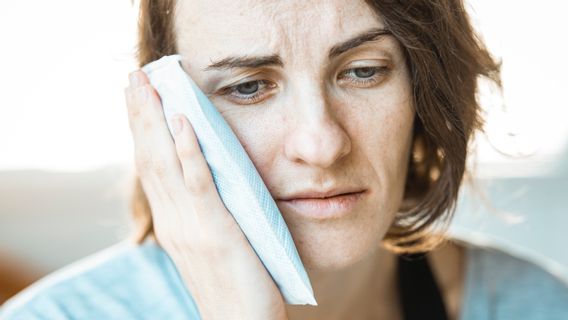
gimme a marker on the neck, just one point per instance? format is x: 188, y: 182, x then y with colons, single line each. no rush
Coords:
x: 367, y: 287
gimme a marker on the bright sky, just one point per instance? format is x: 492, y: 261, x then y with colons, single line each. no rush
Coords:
x: 65, y: 63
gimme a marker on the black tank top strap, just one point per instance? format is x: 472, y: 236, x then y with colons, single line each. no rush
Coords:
x: 419, y: 294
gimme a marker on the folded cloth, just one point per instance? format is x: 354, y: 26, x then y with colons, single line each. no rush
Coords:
x: 238, y: 182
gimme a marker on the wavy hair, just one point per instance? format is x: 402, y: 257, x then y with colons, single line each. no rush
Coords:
x: 445, y: 57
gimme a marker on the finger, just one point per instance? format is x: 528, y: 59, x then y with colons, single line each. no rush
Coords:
x: 133, y: 111
x: 191, y: 169
x: 155, y: 152
x: 196, y: 172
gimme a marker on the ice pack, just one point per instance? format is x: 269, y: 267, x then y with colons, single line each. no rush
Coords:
x: 239, y: 184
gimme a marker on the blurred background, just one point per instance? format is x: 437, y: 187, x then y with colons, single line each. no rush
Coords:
x: 66, y: 154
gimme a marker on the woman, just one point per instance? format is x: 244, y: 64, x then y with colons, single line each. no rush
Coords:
x: 376, y: 99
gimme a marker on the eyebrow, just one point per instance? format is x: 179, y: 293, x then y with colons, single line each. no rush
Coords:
x: 252, y: 62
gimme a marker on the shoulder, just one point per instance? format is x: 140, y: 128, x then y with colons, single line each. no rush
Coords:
x: 500, y: 285
x: 124, y: 281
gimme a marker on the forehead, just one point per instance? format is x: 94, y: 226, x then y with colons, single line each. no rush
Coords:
x: 291, y: 28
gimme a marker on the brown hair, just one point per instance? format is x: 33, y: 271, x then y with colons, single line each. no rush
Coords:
x: 445, y: 58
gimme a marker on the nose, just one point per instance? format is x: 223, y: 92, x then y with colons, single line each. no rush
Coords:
x: 315, y: 137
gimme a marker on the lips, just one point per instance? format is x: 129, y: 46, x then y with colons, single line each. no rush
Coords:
x: 312, y: 194
x: 331, y: 207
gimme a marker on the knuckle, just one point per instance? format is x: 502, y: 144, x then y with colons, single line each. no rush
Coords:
x: 133, y: 109
x: 160, y: 168
x: 198, y: 182
x: 185, y: 151
x: 134, y: 112
x: 143, y: 159
x: 146, y: 162
x: 147, y: 124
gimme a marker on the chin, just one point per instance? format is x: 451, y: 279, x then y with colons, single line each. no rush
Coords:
x: 337, y: 244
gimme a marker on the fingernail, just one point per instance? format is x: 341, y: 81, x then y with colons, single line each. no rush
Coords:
x: 134, y: 79
x: 177, y: 124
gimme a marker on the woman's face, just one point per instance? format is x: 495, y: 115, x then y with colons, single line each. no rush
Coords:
x: 308, y: 119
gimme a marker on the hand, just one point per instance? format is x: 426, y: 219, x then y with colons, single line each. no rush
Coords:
x: 219, y: 267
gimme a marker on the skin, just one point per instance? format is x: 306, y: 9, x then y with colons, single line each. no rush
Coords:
x: 316, y: 124
x: 328, y: 132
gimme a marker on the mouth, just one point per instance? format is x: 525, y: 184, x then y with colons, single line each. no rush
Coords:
x: 325, y: 208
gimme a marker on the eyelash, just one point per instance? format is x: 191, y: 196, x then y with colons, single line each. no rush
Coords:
x: 378, y: 72
x: 247, y: 99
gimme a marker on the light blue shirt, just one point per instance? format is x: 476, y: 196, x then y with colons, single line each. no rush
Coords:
x: 128, y: 281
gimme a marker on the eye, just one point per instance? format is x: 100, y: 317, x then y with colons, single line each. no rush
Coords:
x: 253, y: 91
x: 364, y: 76
x: 248, y: 92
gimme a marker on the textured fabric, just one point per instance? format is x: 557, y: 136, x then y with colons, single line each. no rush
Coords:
x: 239, y: 184
x: 140, y: 282
x: 500, y: 286
x: 125, y: 281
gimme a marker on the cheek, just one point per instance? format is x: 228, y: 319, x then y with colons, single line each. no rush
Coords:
x: 259, y: 132
x: 381, y: 131
x: 381, y: 124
